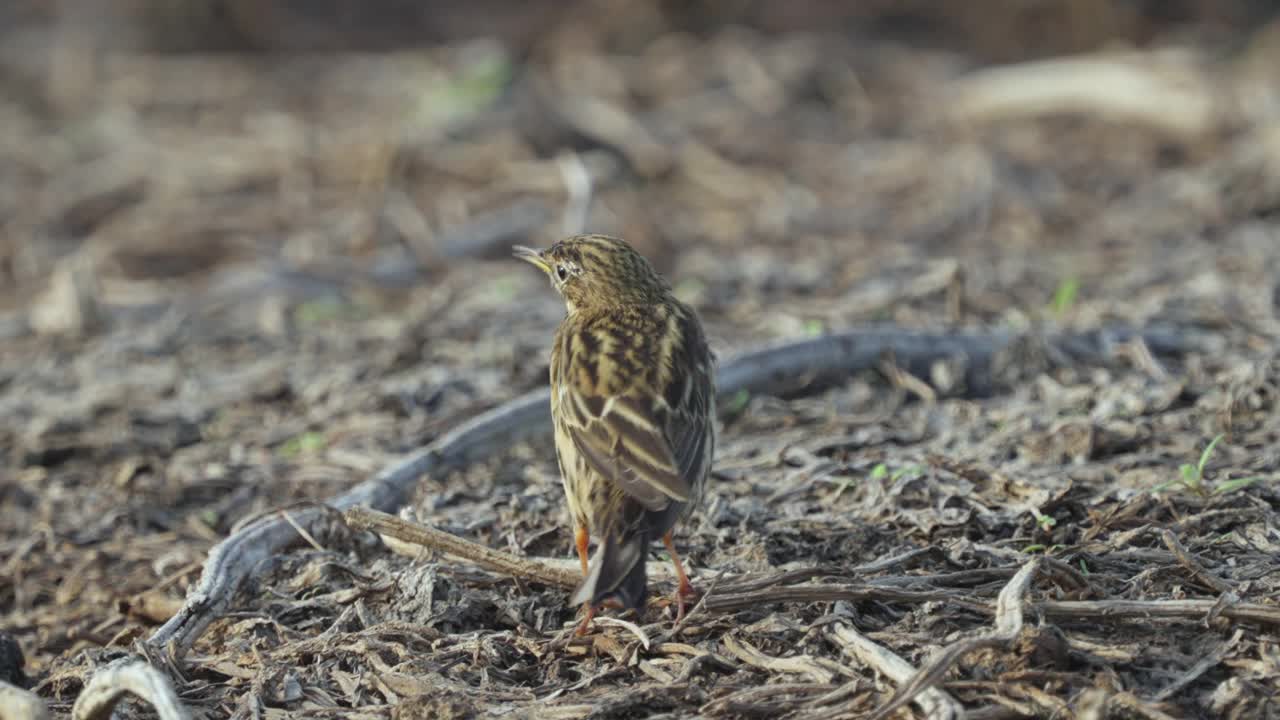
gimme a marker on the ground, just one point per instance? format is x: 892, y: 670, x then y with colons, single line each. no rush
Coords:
x: 234, y: 283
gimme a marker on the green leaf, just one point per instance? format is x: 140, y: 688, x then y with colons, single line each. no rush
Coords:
x: 1044, y: 521
x: 307, y: 442
x: 1065, y: 295
x: 1204, y: 456
x: 1188, y: 473
x: 322, y: 310
x: 1236, y: 484
x: 879, y: 472
x: 738, y: 402
x: 912, y: 470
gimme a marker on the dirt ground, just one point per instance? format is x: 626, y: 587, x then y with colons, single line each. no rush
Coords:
x: 231, y: 283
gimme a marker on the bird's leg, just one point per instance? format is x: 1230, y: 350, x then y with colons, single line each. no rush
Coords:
x: 588, y: 612
x: 580, y: 538
x: 685, y: 589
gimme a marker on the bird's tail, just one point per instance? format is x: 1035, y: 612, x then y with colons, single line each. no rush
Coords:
x: 617, y: 571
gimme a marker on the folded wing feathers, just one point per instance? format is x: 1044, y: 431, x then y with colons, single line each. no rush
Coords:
x: 636, y: 437
x: 625, y: 444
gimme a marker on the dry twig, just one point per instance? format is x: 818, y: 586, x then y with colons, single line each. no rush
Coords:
x: 19, y: 704
x: 109, y: 685
x: 537, y: 569
x: 935, y: 703
x: 1164, y: 90
x: 1146, y: 609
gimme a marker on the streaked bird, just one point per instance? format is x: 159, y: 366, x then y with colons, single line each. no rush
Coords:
x: 633, y: 401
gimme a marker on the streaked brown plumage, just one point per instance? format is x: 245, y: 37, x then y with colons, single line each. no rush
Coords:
x: 632, y: 397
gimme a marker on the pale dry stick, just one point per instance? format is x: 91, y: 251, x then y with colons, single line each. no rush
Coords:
x: 306, y: 535
x: 109, y: 685
x: 629, y: 626
x: 577, y: 185
x: 936, y: 704
x: 1166, y: 90
x: 1009, y: 611
x: 536, y: 569
x: 19, y: 704
x: 1098, y: 610
x: 797, y: 664
x: 414, y: 547
x: 772, y: 369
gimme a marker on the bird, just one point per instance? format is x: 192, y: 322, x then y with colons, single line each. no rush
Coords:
x: 633, y: 406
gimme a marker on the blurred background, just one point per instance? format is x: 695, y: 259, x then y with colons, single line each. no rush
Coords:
x: 230, y: 151
x: 251, y: 251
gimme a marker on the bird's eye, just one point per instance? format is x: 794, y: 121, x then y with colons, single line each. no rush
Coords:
x: 562, y: 272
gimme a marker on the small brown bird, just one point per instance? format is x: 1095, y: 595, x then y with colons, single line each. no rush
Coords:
x: 633, y: 401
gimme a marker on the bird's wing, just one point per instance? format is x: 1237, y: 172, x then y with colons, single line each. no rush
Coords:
x: 638, y: 412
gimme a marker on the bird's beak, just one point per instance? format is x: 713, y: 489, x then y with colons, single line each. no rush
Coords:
x: 532, y: 257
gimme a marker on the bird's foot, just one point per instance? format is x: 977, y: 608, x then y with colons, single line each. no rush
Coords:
x: 685, y: 594
x: 589, y: 612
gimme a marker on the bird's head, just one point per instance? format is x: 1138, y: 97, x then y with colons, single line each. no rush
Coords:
x: 598, y: 271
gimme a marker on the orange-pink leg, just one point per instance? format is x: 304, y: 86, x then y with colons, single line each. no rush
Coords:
x: 588, y: 612
x: 685, y: 590
x: 580, y: 539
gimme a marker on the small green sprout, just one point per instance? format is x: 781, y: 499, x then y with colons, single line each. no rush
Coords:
x: 307, y: 442
x: 1191, y: 476
x: 1064, y: 297
x: 1045, y: 522
x: 905, y: 470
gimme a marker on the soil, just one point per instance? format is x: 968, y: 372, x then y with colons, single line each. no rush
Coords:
x: 235, y: 282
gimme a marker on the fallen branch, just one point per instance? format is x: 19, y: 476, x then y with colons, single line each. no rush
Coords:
x: 787, y: 367
x: 536, y: 569
x: 110, y: 684
x: 1167, y: 91
x: 19, y: 704
x: 1147, y: 609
